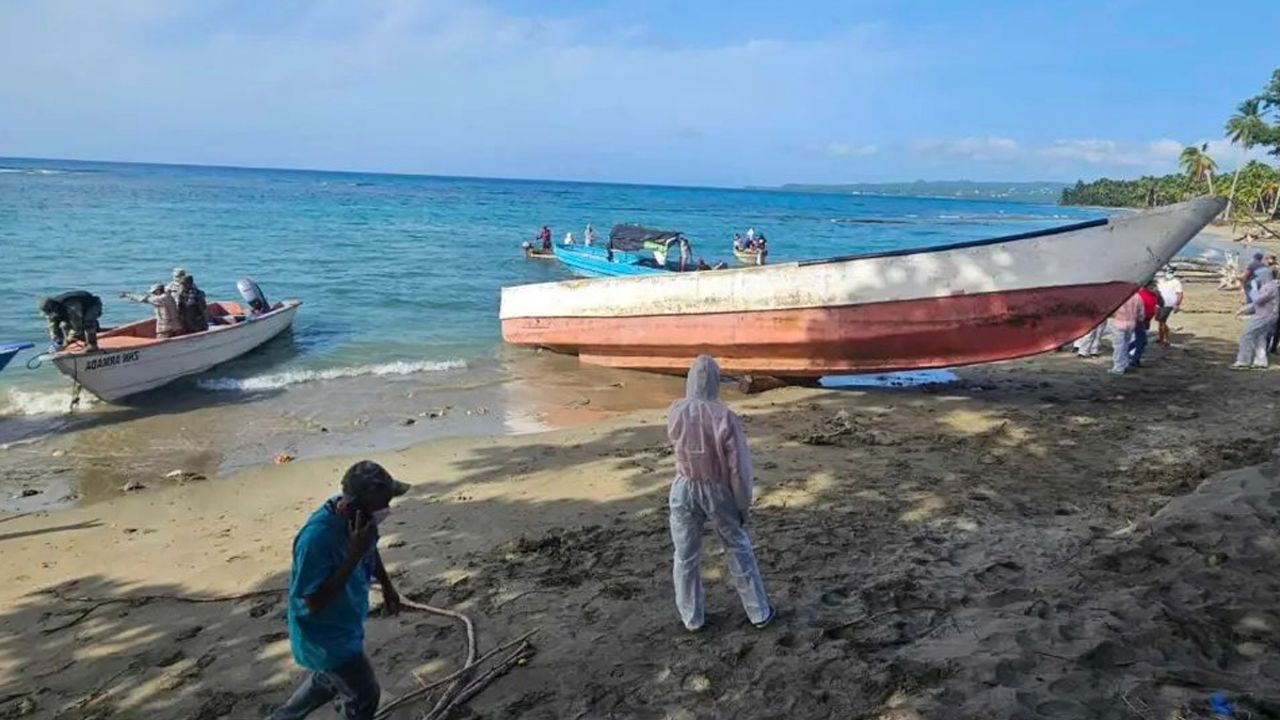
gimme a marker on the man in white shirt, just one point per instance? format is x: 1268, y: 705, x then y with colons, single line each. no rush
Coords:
x: 1171, y: 292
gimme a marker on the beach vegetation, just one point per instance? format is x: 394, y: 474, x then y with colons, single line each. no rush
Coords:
x: 1255, y: 185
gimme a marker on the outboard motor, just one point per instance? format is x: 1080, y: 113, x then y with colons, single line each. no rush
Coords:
x: 252, y: 295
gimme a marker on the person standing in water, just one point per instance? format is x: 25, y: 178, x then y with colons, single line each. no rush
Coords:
x: 589, y: 236
x: 713, y: 482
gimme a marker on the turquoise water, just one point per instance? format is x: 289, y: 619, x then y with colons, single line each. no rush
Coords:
x: 398, y: 273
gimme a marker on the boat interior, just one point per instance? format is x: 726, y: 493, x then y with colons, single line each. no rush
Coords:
x: 222, y: 315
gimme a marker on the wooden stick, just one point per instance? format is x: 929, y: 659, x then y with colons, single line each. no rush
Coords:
x: 420, y: 692
x: 467, y: 666
x: 497, y: 671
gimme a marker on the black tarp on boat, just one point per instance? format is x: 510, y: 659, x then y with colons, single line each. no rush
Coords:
x: 633, y: 237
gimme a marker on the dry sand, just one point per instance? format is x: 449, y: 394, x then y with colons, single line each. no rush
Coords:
x: 1038, y: 540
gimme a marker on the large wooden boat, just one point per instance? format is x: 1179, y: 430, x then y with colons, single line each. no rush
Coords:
x: 950, y: 305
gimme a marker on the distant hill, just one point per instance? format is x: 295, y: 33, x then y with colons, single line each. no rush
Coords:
x: 1045, y: 192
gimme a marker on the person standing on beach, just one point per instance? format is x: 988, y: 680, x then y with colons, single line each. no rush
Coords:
x: 1247, y: 277
x: 1262, y: 321
x: 1123, y: 325
x: 1151, y: 302
x: 335, y: 559
x: 1091, y: 344
x: 713, y: 482
x: 1171, y: 292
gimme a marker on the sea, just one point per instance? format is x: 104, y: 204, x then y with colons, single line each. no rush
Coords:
x: 397, y: 340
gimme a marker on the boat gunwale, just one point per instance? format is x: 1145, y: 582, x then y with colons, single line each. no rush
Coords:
x: 1029, y: 235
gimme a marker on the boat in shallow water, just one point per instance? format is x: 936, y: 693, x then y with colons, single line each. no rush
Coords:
x: 958, y: 304
x: 8, y: 350
x: 749, y: 257
x: 131, y: 359
x: 630, y: 250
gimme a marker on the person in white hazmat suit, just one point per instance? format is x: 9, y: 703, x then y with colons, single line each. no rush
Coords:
x: 713, y: 483
x: 1262, y: 321
x: 1091, y: 344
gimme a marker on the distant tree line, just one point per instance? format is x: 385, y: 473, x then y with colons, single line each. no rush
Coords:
x: 1254, y: 186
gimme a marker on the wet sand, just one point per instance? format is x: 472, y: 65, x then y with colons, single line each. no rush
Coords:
x: 1039, y: 539
x: 55, y: 461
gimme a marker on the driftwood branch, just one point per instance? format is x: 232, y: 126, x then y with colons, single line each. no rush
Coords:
x: 425, y: 689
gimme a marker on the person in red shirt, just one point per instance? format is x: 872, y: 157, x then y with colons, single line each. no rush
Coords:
x: 1150, y: 296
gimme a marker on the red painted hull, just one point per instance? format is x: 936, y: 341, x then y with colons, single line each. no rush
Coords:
x: 876, y: 337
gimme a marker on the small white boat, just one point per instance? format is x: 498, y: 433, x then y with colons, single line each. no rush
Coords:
x: 131, y: 359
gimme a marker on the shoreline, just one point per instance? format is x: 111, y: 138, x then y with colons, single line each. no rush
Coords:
x: 990, y: 528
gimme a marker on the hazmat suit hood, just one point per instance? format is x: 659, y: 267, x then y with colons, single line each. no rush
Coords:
x: 709, y: 440
x: 703, y: 381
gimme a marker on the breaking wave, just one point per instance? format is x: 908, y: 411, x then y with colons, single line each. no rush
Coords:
x: 36, y: 402
x: 297, y: 377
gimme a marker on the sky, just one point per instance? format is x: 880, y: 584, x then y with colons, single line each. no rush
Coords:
x: 688, y: 92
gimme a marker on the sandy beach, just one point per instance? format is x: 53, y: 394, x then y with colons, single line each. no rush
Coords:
x: 1039, y: 539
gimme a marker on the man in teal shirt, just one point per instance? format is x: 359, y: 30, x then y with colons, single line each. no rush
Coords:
x: 335, y: 559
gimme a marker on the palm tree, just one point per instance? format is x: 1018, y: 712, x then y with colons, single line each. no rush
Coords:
x: 1196, y: 163
x: 1243, y: 129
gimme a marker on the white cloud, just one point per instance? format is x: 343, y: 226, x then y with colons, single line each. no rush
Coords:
x: 973, y: 148
x: 845, y: 150
x: 1153, y: 155
x: 1228, y: 156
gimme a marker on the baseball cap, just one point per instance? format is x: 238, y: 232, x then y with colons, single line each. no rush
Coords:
x: 367, y: 477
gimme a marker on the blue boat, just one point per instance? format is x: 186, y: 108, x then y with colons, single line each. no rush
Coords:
x: 631, y: 250
x: 8, y: 350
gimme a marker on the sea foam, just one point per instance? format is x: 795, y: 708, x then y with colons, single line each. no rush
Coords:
x: 275, y: 381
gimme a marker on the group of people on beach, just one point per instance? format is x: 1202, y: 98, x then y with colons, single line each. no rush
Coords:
x: 336, y: 560
x: 1130, y: 325
x: 1159, y: 299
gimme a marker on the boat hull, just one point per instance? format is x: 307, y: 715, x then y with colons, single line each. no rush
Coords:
x: 955, y: 305
x: 873, y: 337
x: 747, y: 257
x: 8, y: 350
x: 124, y: 369
x: 593, y: 262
